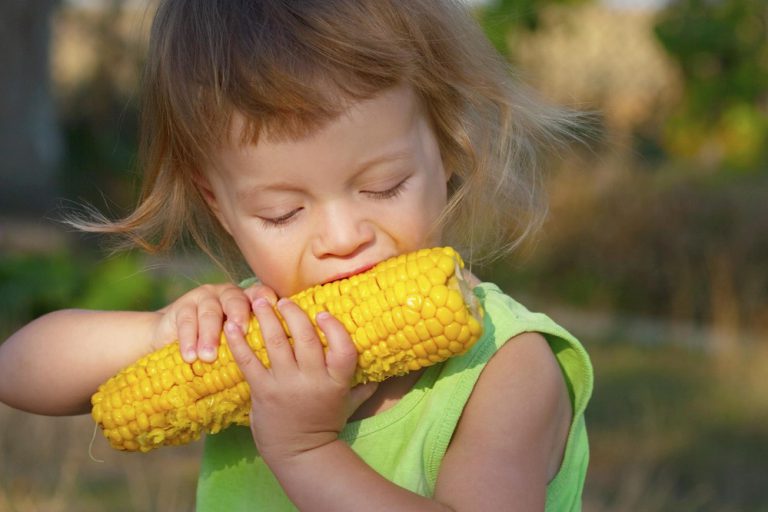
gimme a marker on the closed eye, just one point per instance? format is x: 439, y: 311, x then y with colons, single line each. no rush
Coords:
x: 388, y: 193
x: 281, y: 220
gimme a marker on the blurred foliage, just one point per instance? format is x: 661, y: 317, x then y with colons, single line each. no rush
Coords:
x: 34, y: 284
x: 665, y: 245
x: 99, y: 113
x: 722, y: 52
x: 101, y: 152
x: 674, y: 229
x: 502, y: 19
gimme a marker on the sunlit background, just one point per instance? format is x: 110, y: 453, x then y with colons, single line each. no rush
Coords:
x: 655, y: 252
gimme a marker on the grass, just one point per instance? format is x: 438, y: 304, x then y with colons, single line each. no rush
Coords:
x: 674, y: 429
x: 46, y: 467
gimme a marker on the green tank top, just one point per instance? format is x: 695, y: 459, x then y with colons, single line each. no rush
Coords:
x: 407, y: 442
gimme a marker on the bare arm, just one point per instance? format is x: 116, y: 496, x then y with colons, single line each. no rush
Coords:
x: 511, y: 437
x: 53, y: 364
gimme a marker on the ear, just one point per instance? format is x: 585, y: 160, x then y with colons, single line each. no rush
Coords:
x: 203, y: 185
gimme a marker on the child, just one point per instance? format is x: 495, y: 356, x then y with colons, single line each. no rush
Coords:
x: 311, y: 140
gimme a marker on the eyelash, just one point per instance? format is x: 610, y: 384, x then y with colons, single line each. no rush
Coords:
x: 390, y: 192
x: 280, y: 221
x: 284, y: 219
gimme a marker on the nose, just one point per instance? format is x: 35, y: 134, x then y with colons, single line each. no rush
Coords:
x: 342, y: 229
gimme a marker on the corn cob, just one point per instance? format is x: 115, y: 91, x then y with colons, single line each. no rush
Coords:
x: 404, y: 314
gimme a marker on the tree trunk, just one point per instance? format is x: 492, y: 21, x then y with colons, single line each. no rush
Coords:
x: 30, y: 140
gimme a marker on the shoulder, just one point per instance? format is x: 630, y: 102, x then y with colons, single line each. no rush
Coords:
x: 507, y: 321
x: 521, y: 398
x: 514, y: 428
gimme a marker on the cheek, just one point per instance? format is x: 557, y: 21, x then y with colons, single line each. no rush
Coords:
x: 419, y: 221
x: 276, y: 267
x: 436, y: 194
x: 437, y: 206
x: 270, y: 274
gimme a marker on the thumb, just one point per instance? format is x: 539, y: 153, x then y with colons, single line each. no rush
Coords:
x: 361, y: 393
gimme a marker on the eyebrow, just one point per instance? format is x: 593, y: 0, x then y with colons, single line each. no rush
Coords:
x: 393, y: 156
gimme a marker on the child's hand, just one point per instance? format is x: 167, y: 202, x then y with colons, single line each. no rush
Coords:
x: 303, y: 401
x: 197, y: 317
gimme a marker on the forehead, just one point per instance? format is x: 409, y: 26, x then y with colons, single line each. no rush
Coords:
x: 389, y: 126
x: 397, y: 105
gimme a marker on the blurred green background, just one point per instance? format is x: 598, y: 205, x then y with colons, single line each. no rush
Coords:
x: 655, y: 252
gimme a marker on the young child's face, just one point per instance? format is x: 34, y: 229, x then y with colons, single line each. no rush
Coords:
x: 366, y: 186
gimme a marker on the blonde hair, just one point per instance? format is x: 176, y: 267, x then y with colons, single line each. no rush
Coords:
x: 288, y: 67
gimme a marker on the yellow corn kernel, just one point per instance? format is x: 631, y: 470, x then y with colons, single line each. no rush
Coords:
x: 406, y: 313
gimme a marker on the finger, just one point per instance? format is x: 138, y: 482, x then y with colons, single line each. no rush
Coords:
x: 359, y: 394
x: 246, y: 360
x: 276, y: 341
x: 210, y: 319
x: 307, y: 348
x: 236, y: 306
x: 256, y: 291
x: 341, y: 358
x: 186, y: 332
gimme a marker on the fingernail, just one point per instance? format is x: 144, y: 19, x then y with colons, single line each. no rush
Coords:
x: 282, y: 302
x: 189, y: 355
x: 261, y: 302
x: 231, y: 327
x: 323, y: 315
x: 207, y: 353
